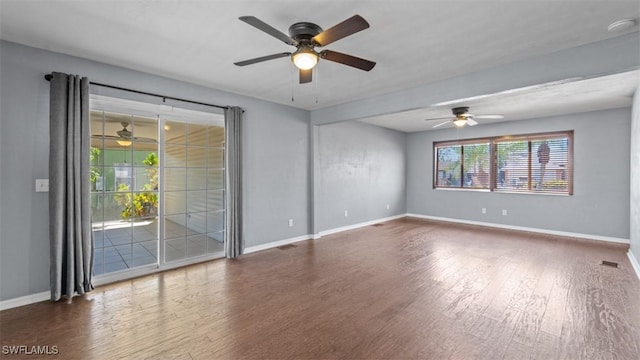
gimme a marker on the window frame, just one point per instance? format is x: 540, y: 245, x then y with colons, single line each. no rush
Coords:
x: 493, y: 161
x: 462, y: 144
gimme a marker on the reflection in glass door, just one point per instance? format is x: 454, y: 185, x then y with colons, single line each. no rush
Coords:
x: 193, y: 221
x: 124, y: 190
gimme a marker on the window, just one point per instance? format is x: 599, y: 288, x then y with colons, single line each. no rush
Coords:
x: 535, y: 163
x: 463, y: 165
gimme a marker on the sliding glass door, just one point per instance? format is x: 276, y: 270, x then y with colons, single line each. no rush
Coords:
x: 193, y: 189
x: 157, y: 181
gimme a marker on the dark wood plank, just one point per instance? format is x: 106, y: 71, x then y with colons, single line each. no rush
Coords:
x: 407, y: 289
x: 621, y: 333
x: 546, y: 347
x: 517, y: 351
x: 533, y: 313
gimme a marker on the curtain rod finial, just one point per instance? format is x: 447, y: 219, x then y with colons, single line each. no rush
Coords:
x: 48, y: 77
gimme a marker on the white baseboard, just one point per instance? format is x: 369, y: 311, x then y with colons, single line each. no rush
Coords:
x: 523, y: 228
x: 24, y: 300
x: 356, y: 226
x: 274, y: 244
x: 634, y: 262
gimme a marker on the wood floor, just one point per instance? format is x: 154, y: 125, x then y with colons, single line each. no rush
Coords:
x: 407, y: 289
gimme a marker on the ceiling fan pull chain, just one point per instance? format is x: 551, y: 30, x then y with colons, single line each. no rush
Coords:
x: 293, y: 80
x: 317, y: 76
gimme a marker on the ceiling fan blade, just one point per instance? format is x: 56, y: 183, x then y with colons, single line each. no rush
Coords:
x: 490, y: 117
x: 305, y: 76
x: 349, y: 60
x: 261, y: 25
x: 261, y: 59
x: 106, y: 137
x: 348, y: 27
x: 116, y: 138
x: 446, y: 122
x: 438, y: 118
x: 145, y: 139
x: 471, y: 122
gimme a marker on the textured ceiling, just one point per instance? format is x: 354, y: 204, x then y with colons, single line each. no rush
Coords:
x: 412, y: 42
x: 558, y: 98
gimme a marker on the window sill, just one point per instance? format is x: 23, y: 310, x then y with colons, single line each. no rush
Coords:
x: 462, y: 189
x: 530, y: 193
x: 502, y: 191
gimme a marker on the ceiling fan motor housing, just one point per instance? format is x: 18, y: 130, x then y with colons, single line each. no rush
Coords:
x: 458, y: 111
x: 302, y: 32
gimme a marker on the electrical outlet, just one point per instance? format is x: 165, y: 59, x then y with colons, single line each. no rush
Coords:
x: 290, y: 222
x: 346, y: 213
x: 504, y: 212
x: 484, y: 210
x: 42, y: 185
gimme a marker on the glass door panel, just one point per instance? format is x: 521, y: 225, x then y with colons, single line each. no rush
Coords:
x: 124, y: 185
x: 193, y: 171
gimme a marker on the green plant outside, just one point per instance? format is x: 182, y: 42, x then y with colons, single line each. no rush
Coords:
x: 145, y: 203
x: 95, y: 171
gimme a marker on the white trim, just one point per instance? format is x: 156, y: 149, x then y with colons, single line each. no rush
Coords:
x: 24, y: 300
x: 191, y: 261
x: 359, y: 225
x: 523, y: 228
x: 126, y: 274
x: 274, y: 244
x: 634, y: 263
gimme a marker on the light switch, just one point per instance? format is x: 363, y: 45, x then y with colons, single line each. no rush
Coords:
x: 42, y: 185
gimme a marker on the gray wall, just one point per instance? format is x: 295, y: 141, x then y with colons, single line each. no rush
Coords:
x: 599, y: 205
x: 635, y: 177
x: 276, y: 158
x: 361, y: 169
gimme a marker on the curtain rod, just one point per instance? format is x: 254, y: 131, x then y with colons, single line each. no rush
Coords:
x: 49, y: 76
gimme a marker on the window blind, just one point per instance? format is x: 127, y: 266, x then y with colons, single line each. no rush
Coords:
x: 534, y: 163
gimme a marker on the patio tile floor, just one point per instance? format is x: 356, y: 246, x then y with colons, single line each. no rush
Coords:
x: 122, y: 248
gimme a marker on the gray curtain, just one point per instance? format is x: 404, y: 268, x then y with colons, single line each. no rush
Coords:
x: 234, y: 241
x: 70, y: 232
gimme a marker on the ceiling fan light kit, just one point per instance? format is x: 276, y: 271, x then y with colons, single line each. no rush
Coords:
x: 460, y: 122
x: 304, y: 58
x: 306, y: 36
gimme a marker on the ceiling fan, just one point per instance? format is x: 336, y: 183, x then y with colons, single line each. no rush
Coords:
x: 306, y: 36
x: 125, y: 136
x: 462, y: 117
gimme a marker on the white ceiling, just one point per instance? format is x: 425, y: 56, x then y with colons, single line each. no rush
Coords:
x: 413, y: 42
x: 558, y: 98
